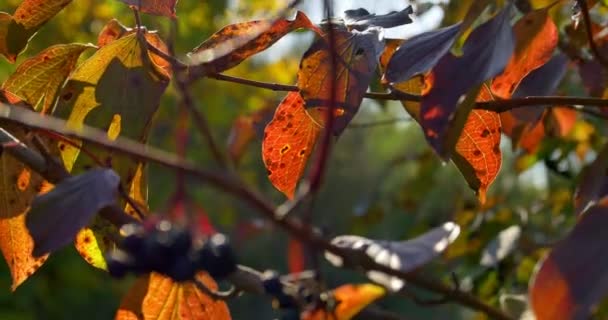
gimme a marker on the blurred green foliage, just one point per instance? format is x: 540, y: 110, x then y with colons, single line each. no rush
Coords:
x: 383, y: 182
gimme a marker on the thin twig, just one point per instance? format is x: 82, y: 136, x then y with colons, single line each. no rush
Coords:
x: 592, y: 45
x: 217, y: 295
x: 496, y: 105
x: 366, y: 125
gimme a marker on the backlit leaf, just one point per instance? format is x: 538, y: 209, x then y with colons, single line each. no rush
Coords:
x: 155, y: 296
x: 16, y: 30
x: 156, y: 7
x: 361, y: 19
x: 39, y: 78
x: 485, y: 54
x: 400, y: 255
x: 91, y: 97
x: 572, y: 278
x: 56, y: 216
x: 111, y: 31
x: 236, y: 42
x: 420, y: 53
x: 17, y: 190
x: 288, y: 142
x: 350, y: 299
x: 357, y: 55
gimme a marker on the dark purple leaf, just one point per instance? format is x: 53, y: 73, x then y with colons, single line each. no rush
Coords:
x: 400, y: 255
x: 420, y: 53
x: 593, y: 183
x: 540, y: 82
x: 574, y: 276
x: 56, y: 216
x: 361, y: 19
x: 485, y: 55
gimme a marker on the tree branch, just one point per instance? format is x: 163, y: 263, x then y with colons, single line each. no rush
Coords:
x: 236, y: 188
x: 592, y: 45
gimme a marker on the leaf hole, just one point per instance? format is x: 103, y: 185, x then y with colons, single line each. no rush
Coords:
x: 285, y: 149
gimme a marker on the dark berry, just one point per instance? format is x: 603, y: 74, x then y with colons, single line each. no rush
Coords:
x: 182, y: 269
x: 216, y: 257
x: 119, y: 263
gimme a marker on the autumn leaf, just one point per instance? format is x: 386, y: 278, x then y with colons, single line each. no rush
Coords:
x: 91, y: 97
x: 592, y: 185
x: 155, y: 7
x: 357, y: 56
x: 288, y: 142
x: 485, y: 54
x: 571, y: 279
x: 234, y: 43
x: 39, y: 78
x: 155, y: 296
x: 350, y: 299
x: 111, y: 31
x: 17, y: 190
x: 16, y: 30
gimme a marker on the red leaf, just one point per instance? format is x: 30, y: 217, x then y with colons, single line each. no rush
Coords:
x: 288, y: 142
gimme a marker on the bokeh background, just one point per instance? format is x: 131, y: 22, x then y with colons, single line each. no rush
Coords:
x: 383, y: 181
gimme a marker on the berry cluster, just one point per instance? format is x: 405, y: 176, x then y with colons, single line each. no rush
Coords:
x: 170, y: 250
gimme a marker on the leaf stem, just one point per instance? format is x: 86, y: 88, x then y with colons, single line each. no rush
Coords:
x: 592, y: 45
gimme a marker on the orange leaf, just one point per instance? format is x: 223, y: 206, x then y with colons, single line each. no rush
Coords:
x: 356, y: 63
x: 288, y: 142
x: 156, y: 7
x: 155, y: 296
x: 17, y: 190
x: 479, y: 147
x: 350, y: 300
x: 236, y: 42
x: 535, y: 41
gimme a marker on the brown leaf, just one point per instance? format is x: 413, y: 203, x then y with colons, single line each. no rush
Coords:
x: 156, y: 7
x: 234, y: 43
x: 39, y: 78
x: 157, y: 297
x: 288, y: 142
x: 16, y: 30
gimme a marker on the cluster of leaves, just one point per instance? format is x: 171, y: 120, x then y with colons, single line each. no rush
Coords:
x: 442, y: 75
